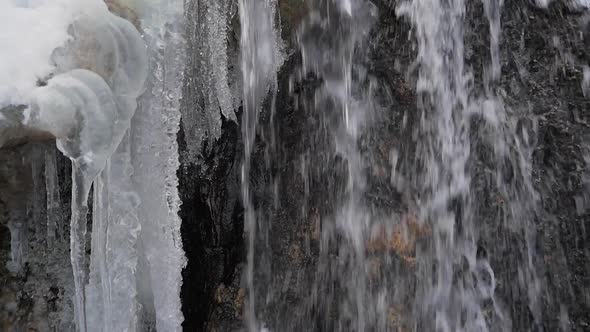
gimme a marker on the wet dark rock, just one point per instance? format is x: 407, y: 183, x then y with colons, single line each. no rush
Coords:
x: 32, y: 296
x: 212, y: 224
x: 542, y: 52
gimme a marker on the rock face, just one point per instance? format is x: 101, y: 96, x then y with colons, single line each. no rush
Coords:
x: 34, y: 212
x: 543, y: 58
x: 542, y: 52
x: 296, y: 183
x: 212, y: 225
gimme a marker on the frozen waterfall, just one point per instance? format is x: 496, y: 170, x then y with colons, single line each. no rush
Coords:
x: 95, y: 66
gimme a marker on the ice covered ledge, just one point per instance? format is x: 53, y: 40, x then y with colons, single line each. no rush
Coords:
x: 124, y: 73
x: 93, y: 65
x: 12, y: 130
x: 84, y: 96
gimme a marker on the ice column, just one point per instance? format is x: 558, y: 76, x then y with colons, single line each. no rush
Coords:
x: 155, y: 160
x: 208, y: 37
x: 88, y: 108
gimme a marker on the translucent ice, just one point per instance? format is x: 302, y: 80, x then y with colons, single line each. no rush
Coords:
x: 82, y: 89
x: 208, y: 40
x: 155, y: 161
x: 99, y: 67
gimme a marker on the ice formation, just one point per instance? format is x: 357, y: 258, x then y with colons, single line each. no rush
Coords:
x: 80, y: 86
x: 212, y: 76
x: 155, y: 151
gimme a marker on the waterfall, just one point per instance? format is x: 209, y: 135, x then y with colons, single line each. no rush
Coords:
x: 260, y: 60
x: 427, y: 267
x: 442, y: 302
x: 331, y: 40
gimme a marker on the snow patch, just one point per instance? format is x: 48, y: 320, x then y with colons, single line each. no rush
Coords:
x: 26, y: 57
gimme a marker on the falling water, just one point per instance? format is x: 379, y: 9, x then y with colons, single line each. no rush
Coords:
x: 458, y: 289
x: 423, y: 269
x: 260, y: 59
x: 331, y: 40
x: 453, y: 281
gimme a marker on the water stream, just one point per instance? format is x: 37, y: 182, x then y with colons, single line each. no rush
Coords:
x: 425, y: 268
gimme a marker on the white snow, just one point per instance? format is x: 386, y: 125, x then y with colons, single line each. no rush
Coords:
x: 26, y: 58
x: 580, y: 4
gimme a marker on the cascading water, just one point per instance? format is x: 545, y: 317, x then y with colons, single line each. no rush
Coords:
x: 425, y: 268
x: 330, y: 39
x: 260, y: 60
x: 453, y: 280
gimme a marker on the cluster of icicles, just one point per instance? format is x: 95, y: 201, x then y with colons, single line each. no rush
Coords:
x: 82, y: 88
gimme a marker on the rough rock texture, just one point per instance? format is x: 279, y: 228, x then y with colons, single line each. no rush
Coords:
x: 542, y: 54
x: 212, y: 224
x: 35, y: 290
x: 556, y: 47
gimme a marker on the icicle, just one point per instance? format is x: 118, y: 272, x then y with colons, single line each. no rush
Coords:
x: 98, y: 286
x: 37, y: 201
x: 89, y: 117
x: 18, y: 240
x: 65, y: 95
x: 208, y: 40
x: 53, y: 197
x: 114, y: 240
x: 81, y: 183
x: 14, y: 184
x: 155, y: 161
